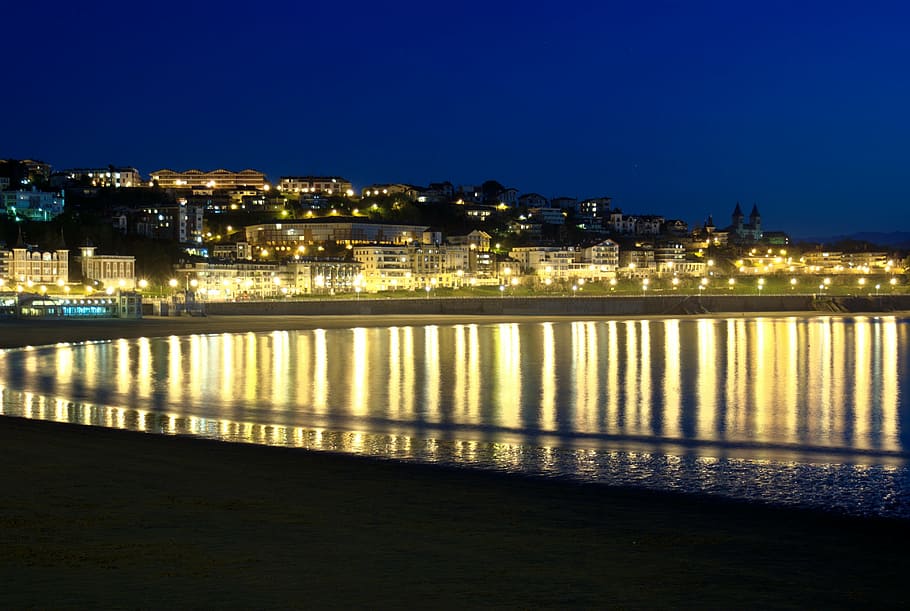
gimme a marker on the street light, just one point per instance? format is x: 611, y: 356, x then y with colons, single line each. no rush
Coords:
x: 761, y: 285
x: 731, y: 282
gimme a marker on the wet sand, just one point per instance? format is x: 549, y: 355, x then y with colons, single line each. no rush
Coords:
x: 104, y: 518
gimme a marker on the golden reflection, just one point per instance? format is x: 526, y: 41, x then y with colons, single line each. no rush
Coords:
x: 359, y: 371
x: 888, y: 381
x: 474, y: 376
x: 144, y: 367
x: 631, y: 404
x: 461, y: 364
x: 645, y: 375
x: 614, y: 387
x: 819, y: 383
x: 707, y: 380
x: 320, y: 375
x: 507, y: 375
x: 431, y: 363
x: 124, y: 376
x: 408, y: 388
x: 862, y: 383
x: 672, y: 389
x: 281, y: 382
x: 394, y: 365
x: 548, y: 379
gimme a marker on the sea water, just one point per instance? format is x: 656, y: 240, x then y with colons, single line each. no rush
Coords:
x: 785, y: 410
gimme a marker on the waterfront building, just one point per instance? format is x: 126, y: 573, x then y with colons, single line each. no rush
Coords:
x: 215, y: 179
x: 418, y: 266
x: 109, y: 270
x: 637, y: 262
x: 32, y: 205
x: 604, y: 255
x: 30, y: 268
x: 311, y: 276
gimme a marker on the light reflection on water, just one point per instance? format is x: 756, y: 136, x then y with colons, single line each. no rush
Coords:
x: 799, y: 411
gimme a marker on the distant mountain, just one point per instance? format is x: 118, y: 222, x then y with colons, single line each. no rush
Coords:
x: 893, y: 239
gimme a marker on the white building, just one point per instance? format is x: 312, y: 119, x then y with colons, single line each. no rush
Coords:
x: 33, y: 268
x: 604, y: 255
x: 110, y: 270
x: 418, y: 266
x: 329, y: 185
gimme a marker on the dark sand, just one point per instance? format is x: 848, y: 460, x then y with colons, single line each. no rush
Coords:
x: 103, y: 518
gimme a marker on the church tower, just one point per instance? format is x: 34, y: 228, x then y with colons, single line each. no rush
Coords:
x: 738, y: 220
x: 755, y: 221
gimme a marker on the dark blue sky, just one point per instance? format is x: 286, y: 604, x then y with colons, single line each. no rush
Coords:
x: 674, y: 108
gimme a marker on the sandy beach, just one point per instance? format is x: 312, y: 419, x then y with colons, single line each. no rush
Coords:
x: 105, y: 518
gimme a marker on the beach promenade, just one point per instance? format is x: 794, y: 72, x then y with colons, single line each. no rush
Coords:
x: 104, y: 518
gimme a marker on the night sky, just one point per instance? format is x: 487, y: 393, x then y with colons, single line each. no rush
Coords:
x: 673, y: 108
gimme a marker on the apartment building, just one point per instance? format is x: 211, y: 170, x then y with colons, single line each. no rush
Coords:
x: 329, y: 185
x: 104, y: 177
x: 215, y: 179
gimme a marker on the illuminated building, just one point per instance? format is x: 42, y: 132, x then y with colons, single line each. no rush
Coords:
x: 329, y: 185
x: 110, y: 270
x: 33, y: 205
x: 216, y: 179
x: 416, y: 266
x: 290, y: 236
x: 26, y: 267
x: 104, y: 177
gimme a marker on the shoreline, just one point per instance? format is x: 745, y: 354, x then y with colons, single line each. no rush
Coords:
x: 106, y: 517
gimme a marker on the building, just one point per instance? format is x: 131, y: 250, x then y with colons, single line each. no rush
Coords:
x: 419, y: 267
x: 216, y: 179
x: 292, y: 236
x: 232, y: 251
x: 182, y: 223
x: 745, y: 233
x: 637, y: 262
x: 109, y: 270
x: 30, y: 268
x: 604, y: 255
x: 329, y: 185
x: 103, y: 177
x: 477, y: 239
x: 229, y: 281
x: 33, y: 205
x: 321, y: 276
x: 406, y: 191
x: 595, y: 207
x: 569, y: 204
x: 533, y: 200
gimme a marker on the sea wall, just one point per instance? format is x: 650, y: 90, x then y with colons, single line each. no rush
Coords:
x: 592, y: 306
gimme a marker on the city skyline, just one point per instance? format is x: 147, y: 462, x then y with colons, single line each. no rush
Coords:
x: 675, y: 110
